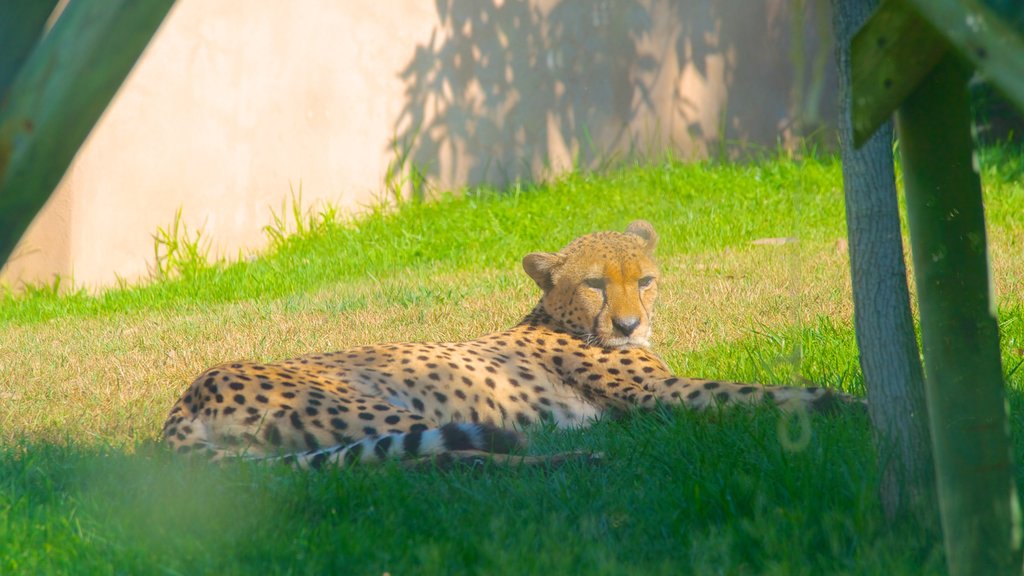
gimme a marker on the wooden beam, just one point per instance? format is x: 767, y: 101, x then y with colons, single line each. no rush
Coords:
x: 21, y: 27
x: 904, y: 40
x: 992, y: 46
x: 959, y: 330
x: 58, y: 95
x: 891, y: 54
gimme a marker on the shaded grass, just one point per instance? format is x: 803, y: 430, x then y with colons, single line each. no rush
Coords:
x: 679, y: 492
x: 86, y: 488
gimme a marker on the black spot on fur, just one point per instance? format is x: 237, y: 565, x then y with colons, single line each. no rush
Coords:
x: 317, y: 461
x: 382, y: 447
x: 311, y: 442
x: 273, y: 435
x: 826, y: 403
x: 455, y: 438
x: 353, y: 454
x: 411, y: 442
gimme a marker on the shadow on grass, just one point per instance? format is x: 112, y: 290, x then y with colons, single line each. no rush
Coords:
x: 713, y: 491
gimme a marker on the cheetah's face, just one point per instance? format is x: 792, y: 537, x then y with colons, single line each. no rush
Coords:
x: 602, y: 286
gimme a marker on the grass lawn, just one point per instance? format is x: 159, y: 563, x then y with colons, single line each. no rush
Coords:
x: 86, y: 381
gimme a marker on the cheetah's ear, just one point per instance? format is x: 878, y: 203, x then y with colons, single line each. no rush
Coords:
x: 539, y: 266
x: 643, y: 229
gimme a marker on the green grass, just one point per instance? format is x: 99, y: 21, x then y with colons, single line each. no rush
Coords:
x: 85, y: 381
x: 703, y: 209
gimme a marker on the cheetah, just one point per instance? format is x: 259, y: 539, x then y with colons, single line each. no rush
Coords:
x: 581, y: 353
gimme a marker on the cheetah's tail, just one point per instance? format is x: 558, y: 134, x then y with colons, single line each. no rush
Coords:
x: 452, y: 437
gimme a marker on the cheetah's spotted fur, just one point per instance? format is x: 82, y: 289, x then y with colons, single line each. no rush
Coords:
x: 583, y: 351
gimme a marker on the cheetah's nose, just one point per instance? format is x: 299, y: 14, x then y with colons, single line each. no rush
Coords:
x: 626, y: 325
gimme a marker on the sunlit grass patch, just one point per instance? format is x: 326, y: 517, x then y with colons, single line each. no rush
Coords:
x: 86, y: 381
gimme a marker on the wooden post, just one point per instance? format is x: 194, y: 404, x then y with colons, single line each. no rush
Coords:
x: 57, y: 96
x: 959, y: 332
x: 21, y: 26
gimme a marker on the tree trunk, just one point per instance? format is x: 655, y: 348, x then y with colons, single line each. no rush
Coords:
x: 959, y: 331
x: 884, y: 325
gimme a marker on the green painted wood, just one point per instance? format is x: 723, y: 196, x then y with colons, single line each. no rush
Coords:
x: 58, y: 95
x: 984, y: 39
x: 980, y: 36
x: 21, y: 26
x: 890, y: 55
x: 905, y: 38
x: 959, y: 332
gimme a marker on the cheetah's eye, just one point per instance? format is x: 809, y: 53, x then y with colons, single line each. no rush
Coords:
x: 595, y: 283
x: 646, y: 281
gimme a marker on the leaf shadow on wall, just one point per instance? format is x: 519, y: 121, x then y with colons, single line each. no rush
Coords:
x: 508, y: 90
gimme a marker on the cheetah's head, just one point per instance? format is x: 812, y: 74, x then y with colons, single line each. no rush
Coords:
x: 601, y: 286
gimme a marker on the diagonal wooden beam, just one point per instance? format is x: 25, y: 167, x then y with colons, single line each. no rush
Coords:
x: 58, y: 95
x: 890, y: 56
x: 905, y: 39
x: 979, y: 35
x: 21, y: 26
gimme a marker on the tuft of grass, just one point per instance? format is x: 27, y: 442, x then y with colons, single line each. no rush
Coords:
x: 178, y: 252
x: 404, y: 179
x: 303, y: 222
x: 86, y: 380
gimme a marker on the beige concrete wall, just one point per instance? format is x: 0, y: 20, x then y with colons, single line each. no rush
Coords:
x: 235, y: 102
